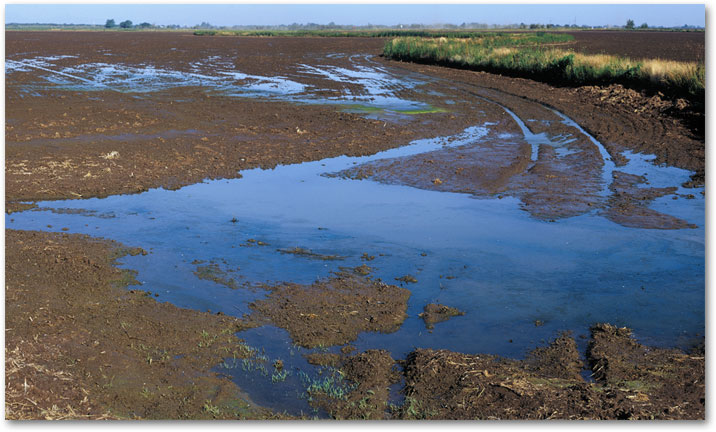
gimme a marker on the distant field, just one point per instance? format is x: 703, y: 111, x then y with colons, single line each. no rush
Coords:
x: 665, y: 45
x: 498, y: 34
x: 677, y: 46
x: 553, y: 58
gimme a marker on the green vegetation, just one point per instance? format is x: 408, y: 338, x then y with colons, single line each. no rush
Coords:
x: 413, y: 410
x: 539, y: 56
x: 368, y: 109
x: 332, y: 386
x: 211, y: 409
x: 279, y: 376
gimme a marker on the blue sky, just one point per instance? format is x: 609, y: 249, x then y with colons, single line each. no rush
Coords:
x: 359, y: 14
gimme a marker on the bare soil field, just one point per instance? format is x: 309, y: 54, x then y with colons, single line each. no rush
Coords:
x: 98, y: 115
x: 182, y: 136
x: 677, y: 46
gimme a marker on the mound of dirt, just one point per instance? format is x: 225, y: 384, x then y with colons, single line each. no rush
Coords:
x: 333, y: 311
x: 633, y: 382
x: 663, y: 383
x: 435, y: 313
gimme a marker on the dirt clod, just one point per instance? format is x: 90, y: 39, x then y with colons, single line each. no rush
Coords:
x: 333, y: 311
x: 435, y: 313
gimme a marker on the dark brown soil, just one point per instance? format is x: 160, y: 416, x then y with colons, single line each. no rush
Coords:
x: 333, y: 311
x: 633, y: 382
x: 678, y: 46
x: 79, y: 345
x: 670, y: 383
x: 435, y: 313
x: 60, y: 144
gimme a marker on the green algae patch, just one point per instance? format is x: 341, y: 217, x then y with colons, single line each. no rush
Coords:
x: 371, y: 109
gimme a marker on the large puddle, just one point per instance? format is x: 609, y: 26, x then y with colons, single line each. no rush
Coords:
x: 519, y: 279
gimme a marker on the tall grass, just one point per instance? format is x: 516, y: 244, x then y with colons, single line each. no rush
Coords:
x: 534, y: 58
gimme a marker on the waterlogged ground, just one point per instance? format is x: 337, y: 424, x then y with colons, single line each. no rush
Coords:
x: 364, y: 87
x: 519, y: 279
x: 503, y: 208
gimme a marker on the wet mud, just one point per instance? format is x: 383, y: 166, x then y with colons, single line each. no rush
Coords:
x: 333, y: 311
x: 79, y: 345
x: 435, y: 313
x: 628, y: 204
x: 631, y: 382
x: 552, y: 165
x: 95, y: 131
x: 307, y: 253
x: 619, y: 118
x: 627, y: 381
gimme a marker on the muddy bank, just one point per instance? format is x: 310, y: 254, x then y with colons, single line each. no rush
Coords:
x: 631, y: 381
x: 555, y: 169
x: 333, y: 311
x: 628, y: 204
x: 79, y: 345
x: 143, y: 157
x: 550, y: 187
x: 621, y: 119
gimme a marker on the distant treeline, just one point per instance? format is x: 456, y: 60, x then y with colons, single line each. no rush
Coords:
x: 372, y: 33
x: 311, y: 29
